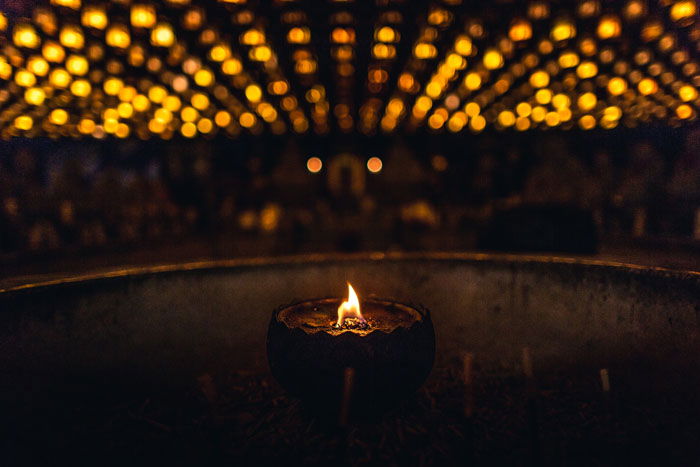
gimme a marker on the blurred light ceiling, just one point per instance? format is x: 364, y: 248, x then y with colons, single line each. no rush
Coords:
x: 179, y: 68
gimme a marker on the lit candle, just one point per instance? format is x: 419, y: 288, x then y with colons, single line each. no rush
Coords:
x: 390, y: 346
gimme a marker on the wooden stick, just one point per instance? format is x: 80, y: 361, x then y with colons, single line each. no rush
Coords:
x: 605, y: 380
x: 348, y: 383
x: 532, y: 407
x: 468, y: 379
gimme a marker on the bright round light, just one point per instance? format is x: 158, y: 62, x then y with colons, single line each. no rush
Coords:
x: 374, y: 165
x: 314, y: 165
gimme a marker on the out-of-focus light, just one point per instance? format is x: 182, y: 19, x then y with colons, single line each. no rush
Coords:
x: 506, y: 118
x: 568, y: 59
x: 143, y: 15
x: 617, y: 86
x: 72, y: 37
x: 463, y: 46
x: 520, y: 30
x: 587, y: 122
x: 222, y: 118
x: 314, y: 165
x: 647, y: 86
x: 37, y: 65
x: 299, y: 35
x: 374, y: 165
x: 25, y: 78
x: 24, y: 35
x: 253, y: 93
x: 94, y: 17
x: 587, y: 70
x: 163, y: 35
x: 687, y: 93
x: 24, y: 122
x: 247, y: 120
x: 634, y: 9
x: 232, y: 66
x: 80, y: 88
x: 260, y: 53
x: 53, y: 52
x: 684, y: 111
x: 73, y: 4
x: 493, y: 59
x: 112, y: 86
x: 587, y: 101
x: 77, y: 65
x: 683, y: 10
x: 60, y: 78
x: 58, y: 117
x: 34, y: 96
x: 118, y: 36
x: 609, y: 27
x: 424, y: 51
x: 543, y: 96
x: 204, y: 77
x: 563, y: 29
x: 539, y: 79
x: 387, y: 34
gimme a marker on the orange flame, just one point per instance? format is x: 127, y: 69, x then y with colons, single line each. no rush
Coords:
x: 349, y: 308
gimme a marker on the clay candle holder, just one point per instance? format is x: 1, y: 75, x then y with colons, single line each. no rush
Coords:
x: 389, y: 345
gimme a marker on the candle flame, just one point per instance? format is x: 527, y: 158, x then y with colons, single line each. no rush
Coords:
x: 349, y: 308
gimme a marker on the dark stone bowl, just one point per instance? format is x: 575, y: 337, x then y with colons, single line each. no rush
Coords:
x: 388, y: 366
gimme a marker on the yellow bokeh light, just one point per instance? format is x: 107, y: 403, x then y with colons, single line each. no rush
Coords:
x: 205, y: 126
x: 253, y: 93
x: 463, y: 46
x: 387, y: 34
x: 24, y: 122
x: 80, y: 88
x: 143, y: 15
x: 543, y: 96
x: 125, y: 110
x: 58, y: 117
x: 683, y: 9
x: 523, y: 109
x: 568, y: 59
x: 157, y: 93
x: 261, y: 53
x: 687, y: 93
x: 493, y: 59
x: 172, y: 103
x: 163, y: 35
x: 247, y: 120
x: 561, y: 101
x: 189, y: 114
x: 24, y: 78
x: 188, y: 130
x: 53, y: 52
x: 684, y: 111
x: 520, y: 30
x: 112, y: 86
x: 472, y: 109
x: 24, y: 35
x: 118, y: 36
x: 647, y: 86
x: 587, y: 101
x: 609, y: 27
x: 60, y: 78
x: 37, y: 65
x: 472, y: 81
x: 77, y: 65
x: 506, y: 118
x: 424, y: 51
x: 299, y: 35
x: 141, y: 103
x: 200, y: 101
x: 314, y: 165
x: 539, y: 79
x: 586, y: 70
x: 71, y: 37
x: 232, y: 66
x: 34, y: 96
x: 86, y: 126
x: 94, y: 16
x: 204, y: 77
x: 222, y: 118
x: 617, y: 86
x: 477, y: 123
x: 562, y: 30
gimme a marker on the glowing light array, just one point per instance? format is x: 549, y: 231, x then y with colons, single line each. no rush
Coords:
x: 143, y: 68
